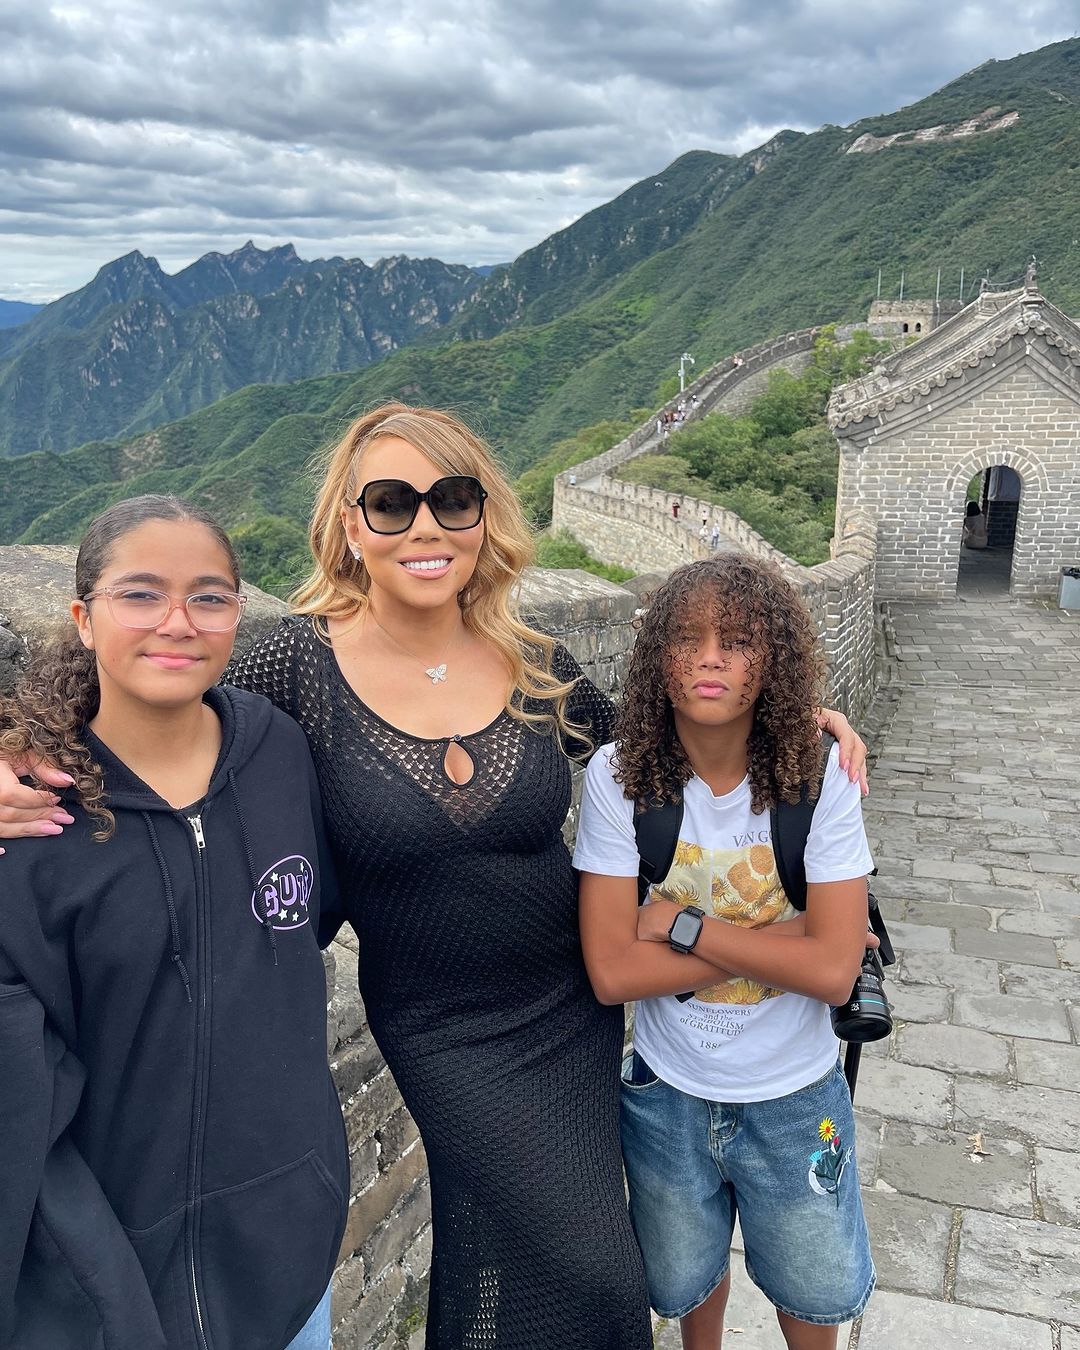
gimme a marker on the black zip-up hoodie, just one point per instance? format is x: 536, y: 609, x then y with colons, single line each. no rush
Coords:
x: 173, y: 1162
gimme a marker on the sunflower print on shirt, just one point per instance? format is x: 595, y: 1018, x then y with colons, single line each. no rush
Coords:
x: 739, y: 885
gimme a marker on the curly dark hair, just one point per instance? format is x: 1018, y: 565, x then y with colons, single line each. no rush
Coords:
x: 59, y: 693
x: 751, y: 604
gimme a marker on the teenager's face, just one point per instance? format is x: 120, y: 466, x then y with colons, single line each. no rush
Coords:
x: 713, y: 668
x: 174, y: 664
x: 425, y: 566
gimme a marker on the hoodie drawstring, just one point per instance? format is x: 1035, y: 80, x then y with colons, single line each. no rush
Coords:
x: 174, y: 927
x: 264, y: 918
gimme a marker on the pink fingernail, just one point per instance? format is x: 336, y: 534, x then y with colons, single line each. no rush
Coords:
x: 62, y: 818
x: 47, y: 827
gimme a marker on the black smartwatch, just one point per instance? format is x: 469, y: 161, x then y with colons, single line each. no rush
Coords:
x: 686, y: 929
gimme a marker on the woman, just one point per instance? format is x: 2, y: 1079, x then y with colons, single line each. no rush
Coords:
x: 439, y: 725
x: 168, y: 1117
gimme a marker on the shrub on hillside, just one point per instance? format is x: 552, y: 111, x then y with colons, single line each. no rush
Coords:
x: 561, y: 549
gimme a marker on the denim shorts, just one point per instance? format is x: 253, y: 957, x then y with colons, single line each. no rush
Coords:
x: 786, y: 1167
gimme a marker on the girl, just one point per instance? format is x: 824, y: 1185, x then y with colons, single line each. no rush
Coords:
x: 170, y: 1125
x: 440, y: 723
x: 733, y: 1101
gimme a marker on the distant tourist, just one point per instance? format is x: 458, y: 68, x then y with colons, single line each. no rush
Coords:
x: 974, y: 526
x: 714, y: 536
x: 733, y: 1102
x: 675, y: 508
x: 703, y: 533
x: 573, y: 480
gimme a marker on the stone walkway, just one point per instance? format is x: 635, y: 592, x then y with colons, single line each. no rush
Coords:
x: 969, y: 1116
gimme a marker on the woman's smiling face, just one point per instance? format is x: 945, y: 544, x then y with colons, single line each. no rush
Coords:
x: 426, y: 566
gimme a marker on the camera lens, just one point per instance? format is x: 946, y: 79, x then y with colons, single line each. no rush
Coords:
x: 867, y: 1015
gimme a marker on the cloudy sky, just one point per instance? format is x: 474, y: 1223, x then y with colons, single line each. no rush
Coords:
x: 460, y: 129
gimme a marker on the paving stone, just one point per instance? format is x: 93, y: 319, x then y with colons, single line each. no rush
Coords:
x: 1011, y: 1015
x: 1041, y: 925
x: 908, y: 888
x: 1018, y: 947
x: 905, y: 1091
x: 1070, y: 1338
x: 941, y: 1166
x: 1013, y: 876
x: 902, y: 1322
x: 1048, y: 1065
x: 946, y: 914
x: 950, y: 971
x: 916, y: 937
x: 941, y: 869
x: 868, y: 1130
x: 1021, y: 815
x: 1041, y: 983
x: 955, y: 1049
x: 1057, y: 1181
x: 1019, y: 1265
x: 1069, y: 952
x: 909, y: 1239
x: 1057, y: 901
x: 918, y: 1002
x: 1044, y: 1115
x: 997, y: 897
x: 1066, y: 863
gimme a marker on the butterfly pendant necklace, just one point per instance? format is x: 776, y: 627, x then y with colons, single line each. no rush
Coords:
x: 436, y: 673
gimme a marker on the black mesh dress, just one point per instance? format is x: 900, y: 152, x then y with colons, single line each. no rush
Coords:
x: 471, y: 972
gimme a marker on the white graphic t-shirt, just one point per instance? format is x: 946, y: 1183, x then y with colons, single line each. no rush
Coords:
x: 738, y: 1040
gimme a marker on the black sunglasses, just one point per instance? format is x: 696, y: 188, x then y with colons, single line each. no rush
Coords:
x: 390, y: 505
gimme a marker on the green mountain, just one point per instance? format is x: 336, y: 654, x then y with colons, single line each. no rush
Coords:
x: 978, y: 176
x: 137, y: 347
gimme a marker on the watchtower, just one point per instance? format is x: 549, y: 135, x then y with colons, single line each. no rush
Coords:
x: 989, y: 401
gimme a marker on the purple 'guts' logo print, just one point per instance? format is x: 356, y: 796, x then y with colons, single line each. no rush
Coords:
x: 283, y: 893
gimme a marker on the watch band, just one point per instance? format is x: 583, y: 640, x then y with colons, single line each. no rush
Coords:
x: 685, y: 944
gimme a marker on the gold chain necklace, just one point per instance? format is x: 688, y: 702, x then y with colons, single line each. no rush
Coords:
x: 436, y: 673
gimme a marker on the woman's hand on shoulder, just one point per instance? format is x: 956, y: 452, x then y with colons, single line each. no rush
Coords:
x: 25, y: 810
x: 852, y: 746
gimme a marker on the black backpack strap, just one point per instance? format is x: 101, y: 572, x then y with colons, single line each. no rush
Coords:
x: 790, y: 831
x: 656, y: 830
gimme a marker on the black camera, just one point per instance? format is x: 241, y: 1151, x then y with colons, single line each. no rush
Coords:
x: 867, y: 1015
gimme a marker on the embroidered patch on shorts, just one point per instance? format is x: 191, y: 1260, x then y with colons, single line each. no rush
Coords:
x: 827, y: 1163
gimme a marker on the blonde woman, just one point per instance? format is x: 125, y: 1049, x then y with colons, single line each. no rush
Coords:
x: 440, y: 725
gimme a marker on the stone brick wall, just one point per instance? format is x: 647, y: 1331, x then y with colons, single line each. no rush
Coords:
x: 908, y: 467
x: 381, y: 1281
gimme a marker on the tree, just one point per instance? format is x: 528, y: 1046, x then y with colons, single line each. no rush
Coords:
x: 273, y: 553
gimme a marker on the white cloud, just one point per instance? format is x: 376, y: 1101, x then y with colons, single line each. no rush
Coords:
x: 462, y: 129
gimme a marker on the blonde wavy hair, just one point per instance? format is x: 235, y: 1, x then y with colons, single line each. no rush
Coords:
x: 338, y: 586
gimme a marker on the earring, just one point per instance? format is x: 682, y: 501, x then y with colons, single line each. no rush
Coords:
x: 356, y: 553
